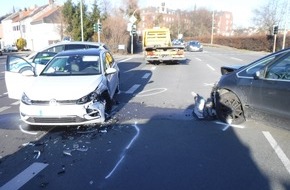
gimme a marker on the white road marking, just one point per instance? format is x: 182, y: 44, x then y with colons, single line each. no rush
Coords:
x: 210, y: 67
x: 124, y: 60
x: 198, y: 59
x: 4, y: 108
x: 208, y: 84
x: 16, y: 103
x: 153, y: 68
x: 284, y: 159
x: 124, y: 153
x: 146, y: 75
x: 236, y: 59
x: 133, y: 89
x: 26, y: 175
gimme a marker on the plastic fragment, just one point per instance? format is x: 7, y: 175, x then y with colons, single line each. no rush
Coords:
x: 67, y: 152
x: 103, y: 131
x: 29, y: 143
x: 83, y: 149
x: 38, y: 154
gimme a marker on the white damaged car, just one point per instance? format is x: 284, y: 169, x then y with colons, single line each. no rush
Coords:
x: 75, y: 88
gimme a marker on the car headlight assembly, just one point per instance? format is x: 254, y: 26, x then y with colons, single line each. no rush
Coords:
x: 25, y: 99
x: 90, y: 97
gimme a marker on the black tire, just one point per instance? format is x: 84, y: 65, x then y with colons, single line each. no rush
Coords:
x: 108, y: 102
x: 229, y: 109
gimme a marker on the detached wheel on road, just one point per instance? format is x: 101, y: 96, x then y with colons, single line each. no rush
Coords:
x: 229, y: 109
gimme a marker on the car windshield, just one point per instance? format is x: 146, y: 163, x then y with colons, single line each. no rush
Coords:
x: 73, y: 65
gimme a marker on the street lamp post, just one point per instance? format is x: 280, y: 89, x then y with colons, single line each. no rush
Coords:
x: 212, y: 28
x: 82, y: 25
x: 132, y: 21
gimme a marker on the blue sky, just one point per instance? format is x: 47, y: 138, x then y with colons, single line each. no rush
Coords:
x: 241, y: 9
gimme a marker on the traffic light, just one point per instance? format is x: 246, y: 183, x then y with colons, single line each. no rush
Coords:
x: 275, y: 29
x: 133, y: 29
x: 95, y: 27
x: 99, y: 27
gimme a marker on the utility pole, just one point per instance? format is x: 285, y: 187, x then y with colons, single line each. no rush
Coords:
x: 212, y: 28
x: 82, y: 25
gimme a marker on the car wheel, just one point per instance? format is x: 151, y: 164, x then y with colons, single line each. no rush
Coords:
x: 108, y: 102
x: 229, y: 109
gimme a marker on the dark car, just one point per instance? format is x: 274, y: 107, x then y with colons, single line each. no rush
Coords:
x: 193, y: 46
x: 260, y: 90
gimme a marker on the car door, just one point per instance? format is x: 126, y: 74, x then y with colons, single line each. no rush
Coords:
x: 112, y: 79
x: 275, y: 88
x: 17, y: 81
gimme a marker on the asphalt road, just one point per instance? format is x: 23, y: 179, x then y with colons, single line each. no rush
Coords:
x: 152, y: 140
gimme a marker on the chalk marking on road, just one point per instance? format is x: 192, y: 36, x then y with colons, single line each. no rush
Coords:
x: 210, y: 67
x: 4, y: 108
x: 27, y: 132
x: 146, y: 75
x: 282, y: 156
x: 236, y: 59
x: 133, y: 89
x: 151, y: 92
x: 26, y: 175
x: 16, y: 103
x: 227, y: 126
x: 124, y: 153
x: 198, y: 59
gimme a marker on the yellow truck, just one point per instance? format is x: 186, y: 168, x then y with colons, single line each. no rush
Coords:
x: 157, y: 46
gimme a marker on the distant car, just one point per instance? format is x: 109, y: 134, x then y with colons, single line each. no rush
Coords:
x: 10, y: 48
x: 1, y: 53
x: 75, y: 88
x: 178, y: 42
x: 193, y: 46
x: 260, y: 90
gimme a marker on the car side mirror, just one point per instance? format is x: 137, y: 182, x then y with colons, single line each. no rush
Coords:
x: 110, y: 71
x: 258, y: 75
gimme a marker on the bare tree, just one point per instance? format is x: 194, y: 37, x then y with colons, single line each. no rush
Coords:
x: 114, y: 30
x: 269, y: 15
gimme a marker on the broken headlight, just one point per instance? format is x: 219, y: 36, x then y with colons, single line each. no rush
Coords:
x: 90, y: 97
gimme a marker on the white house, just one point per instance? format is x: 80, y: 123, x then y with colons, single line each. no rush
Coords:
x: 39, y: 26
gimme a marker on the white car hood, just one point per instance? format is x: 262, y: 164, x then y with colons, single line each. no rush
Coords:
x: 62, y: 88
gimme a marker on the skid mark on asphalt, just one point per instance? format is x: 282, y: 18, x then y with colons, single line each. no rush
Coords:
x: 124, y: 152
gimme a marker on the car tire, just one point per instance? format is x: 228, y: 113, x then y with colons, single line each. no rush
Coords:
x: 229, y: 109
x: 108, y: 102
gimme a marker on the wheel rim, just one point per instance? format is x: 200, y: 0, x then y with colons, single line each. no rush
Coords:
x: 232, y: 109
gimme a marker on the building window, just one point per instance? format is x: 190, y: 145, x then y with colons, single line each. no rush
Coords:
x: 23, y: 29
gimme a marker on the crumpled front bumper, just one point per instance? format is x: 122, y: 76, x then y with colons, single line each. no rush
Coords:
x: 89, y: 113
x: 204, y: 108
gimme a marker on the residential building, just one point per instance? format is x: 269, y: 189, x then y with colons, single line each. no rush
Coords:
x: 223, y: 23
x: 39, y: 26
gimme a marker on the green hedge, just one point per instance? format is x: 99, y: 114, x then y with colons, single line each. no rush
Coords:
x: 254, y: 43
